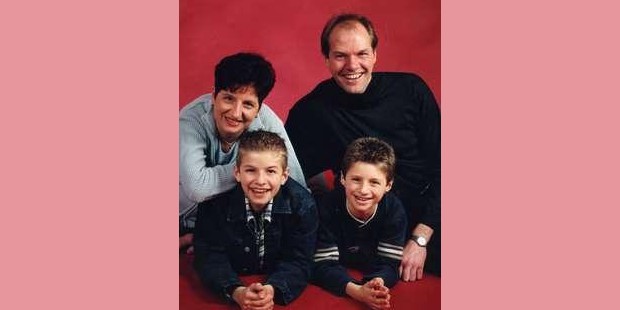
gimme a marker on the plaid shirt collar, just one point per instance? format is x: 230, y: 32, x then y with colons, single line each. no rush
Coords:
x: 249, y: 213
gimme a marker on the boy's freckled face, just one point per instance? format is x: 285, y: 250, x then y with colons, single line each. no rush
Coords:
x: 261, y: 174
x: 364, y: 184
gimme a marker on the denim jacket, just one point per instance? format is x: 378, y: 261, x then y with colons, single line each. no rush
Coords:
x: 225, y: 247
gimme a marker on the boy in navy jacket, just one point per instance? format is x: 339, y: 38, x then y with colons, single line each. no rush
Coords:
x: 362, y: 226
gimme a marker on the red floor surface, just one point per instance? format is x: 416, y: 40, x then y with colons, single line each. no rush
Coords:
x: 420, y: 295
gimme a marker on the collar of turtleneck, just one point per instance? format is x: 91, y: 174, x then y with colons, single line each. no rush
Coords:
x: 357, y: 101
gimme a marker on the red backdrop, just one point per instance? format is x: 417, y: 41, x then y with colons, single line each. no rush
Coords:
x: 287, y: 34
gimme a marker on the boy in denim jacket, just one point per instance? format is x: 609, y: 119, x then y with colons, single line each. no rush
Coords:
x: 266, y: 225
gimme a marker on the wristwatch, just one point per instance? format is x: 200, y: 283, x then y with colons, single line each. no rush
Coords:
x: 421, y: 241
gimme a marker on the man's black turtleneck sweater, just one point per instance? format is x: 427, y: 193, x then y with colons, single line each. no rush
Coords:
x: 398, y: 108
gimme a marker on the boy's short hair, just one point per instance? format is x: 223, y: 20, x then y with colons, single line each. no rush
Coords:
x: 372, y: 151
x: 261, y: 141
x: 242, y: 70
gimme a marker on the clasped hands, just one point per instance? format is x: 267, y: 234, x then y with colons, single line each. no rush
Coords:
x: 372, y: 293
x: 256, y: 296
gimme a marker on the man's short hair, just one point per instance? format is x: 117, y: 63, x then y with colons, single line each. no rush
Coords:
x: 344, y: 18
x: 372, y: 151
x: 241, y: 70
x: 261, y: 141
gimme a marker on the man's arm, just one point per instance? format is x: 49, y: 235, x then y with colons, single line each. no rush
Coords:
x: 428, y: 130
x: 414, y: 255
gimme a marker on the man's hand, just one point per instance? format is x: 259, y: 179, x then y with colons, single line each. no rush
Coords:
x: 373, y: 293
x: 412, y: 266
x: 254, y: 297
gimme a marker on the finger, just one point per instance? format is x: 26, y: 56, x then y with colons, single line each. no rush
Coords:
x: 413, y: 274
x: 251, y: 295
x: 407, y: 274
x: 380, y: 294
x: 374, y: 284
x: 254, y: 304
x: 400, y: 270
x: 255, y: 287
x: 420, y: 273
x: 379, y: 303
x: 266, y: 306
x: 385, y: 289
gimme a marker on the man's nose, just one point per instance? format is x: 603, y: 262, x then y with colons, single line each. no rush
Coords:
x: 351, y: 62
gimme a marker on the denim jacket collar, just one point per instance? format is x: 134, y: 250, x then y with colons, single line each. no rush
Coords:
x: 281, y: 203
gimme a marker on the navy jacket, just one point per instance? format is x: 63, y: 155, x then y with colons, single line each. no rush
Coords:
x: 375, y: 248
x: 224, y: 246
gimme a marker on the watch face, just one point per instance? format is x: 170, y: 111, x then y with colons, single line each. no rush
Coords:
x: 421, y: 241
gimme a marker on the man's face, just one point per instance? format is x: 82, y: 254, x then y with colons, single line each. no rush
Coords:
x: 351, y: 57
x: 261, y: 174
x: 364, y: 184
x: 234, y: 112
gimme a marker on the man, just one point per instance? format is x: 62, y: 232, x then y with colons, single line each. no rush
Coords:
x: 210, y: 126
x: 398, y: 108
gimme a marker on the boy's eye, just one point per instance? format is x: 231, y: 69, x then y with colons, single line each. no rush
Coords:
x: 271, y: 171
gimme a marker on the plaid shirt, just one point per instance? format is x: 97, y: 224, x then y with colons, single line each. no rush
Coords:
x: 257, y: 226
